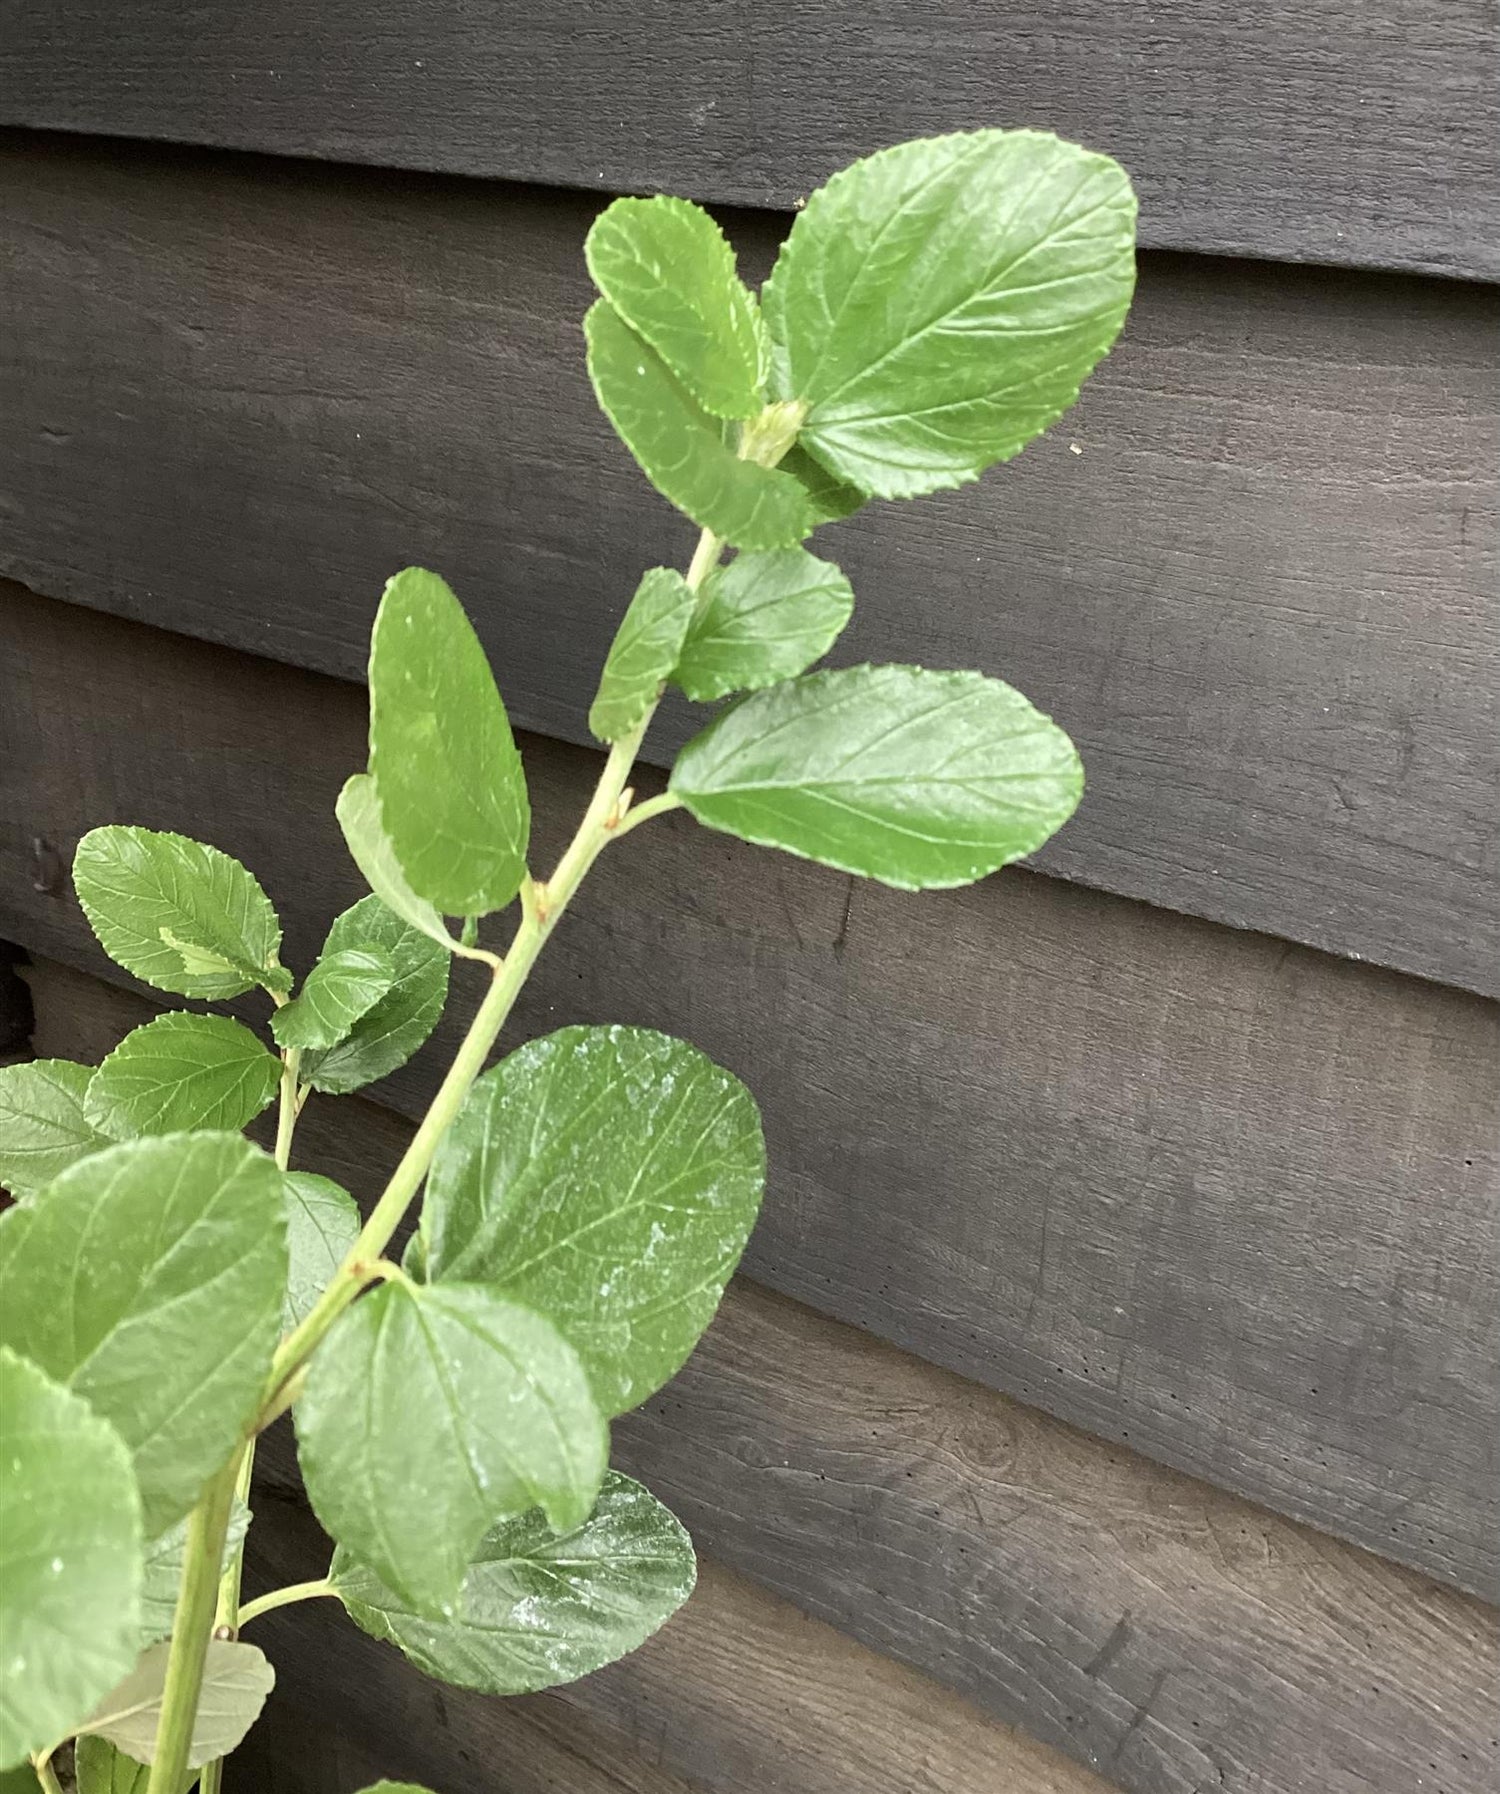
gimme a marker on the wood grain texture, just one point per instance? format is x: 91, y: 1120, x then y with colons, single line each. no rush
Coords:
x: 740, y: 1691
x: 1227, y: 1200
x: 1144, y: 1622
x: 1333, y: 133
x: 238, y: 397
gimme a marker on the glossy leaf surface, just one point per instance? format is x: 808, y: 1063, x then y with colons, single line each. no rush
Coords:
x: 938, y: 304
x: 149, y: 1278
x: 766, y: 617
x: 681, y: 449
x: 178, y: 913
x: 432, y: 1412
x: 451, y: 789
x: 921, y: 780
x: 70, y: 1558
x: 370, y: 847
x: 384, y: 1037
x: 643, y: 653
x: 322, y: 1224
x: 182, y: 1072
x: 610, y: 1178
x: 337, y: 992
x: 538, y: 1608
x: 668, y: 270
x: 43, y: 1126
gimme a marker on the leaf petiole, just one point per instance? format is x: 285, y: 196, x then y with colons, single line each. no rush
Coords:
x: 284, y: 1597
x: 46, y: 1774
x: 639, y: 813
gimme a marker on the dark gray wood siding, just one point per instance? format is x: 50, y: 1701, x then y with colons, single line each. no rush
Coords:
x: 1111, y: 1396
x: 1104, y: 1603
x: 742, y: 1691
x: 1332, y: 133
x: 1232, y: 1203
x: 237, y: 395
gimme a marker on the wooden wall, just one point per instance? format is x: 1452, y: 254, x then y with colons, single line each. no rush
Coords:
x: 1110, y: 1398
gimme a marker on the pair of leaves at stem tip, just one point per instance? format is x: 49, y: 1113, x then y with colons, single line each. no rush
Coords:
x: 933, y: 309
x: 677, y: 353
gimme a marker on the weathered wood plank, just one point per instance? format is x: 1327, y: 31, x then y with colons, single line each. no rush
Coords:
x: 1335, y: 133
x: 239, y: 396
x: 741, y: 1691
x: 1066, y: 1585
x: 1228, y: 1200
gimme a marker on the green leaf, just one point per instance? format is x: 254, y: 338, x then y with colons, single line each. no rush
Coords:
x: 538, y: 1608
x: 608, y: 1177
x: 668, y: 270
x: 830, y: 498
x: 921, y: 780
x: 386, y: 1036
x: 322, y: 1224
x: 149, y: 1277
x: 43, y: 1127
x: 164, y: 1559
x: 236, y: 1681
x: 101, y: 1769
x: 338, y: 991
x: 452, y: 792
x: 70, y: 1558
x: 938, y: 305
x: 643, y: 653
x: 396, y: 1788
x: 431, y: 1413
x: 766, y: 617
x: 179, y: 1073
x: 359, y: 816
x: 21, y: 1780
x: 681, y: 449
x: 178, y: 914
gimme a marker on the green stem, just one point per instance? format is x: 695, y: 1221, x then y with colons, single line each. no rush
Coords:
x: 227, y: 1607
x: 705, y: 559
x: 211, y: 1777
x: 284, y: 1597
x: 653, y: 806
x: 359, y: 1264
x: 46, y: 1774
x: 286, y: 1116
x: 192, y: 1625
x: 542, y: 905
